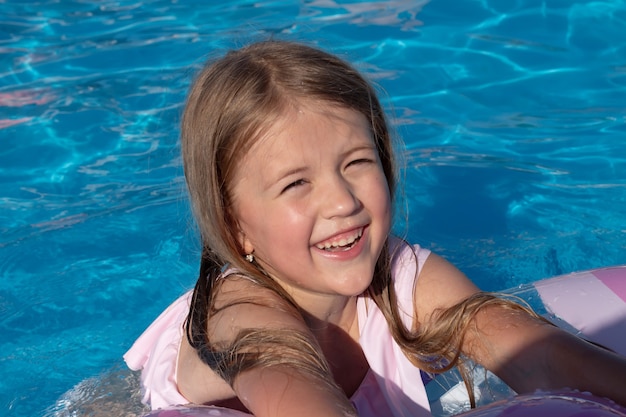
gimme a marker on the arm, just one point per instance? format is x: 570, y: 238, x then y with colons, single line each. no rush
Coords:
x: 280, y: 391
x: 277, y: 384
x: 526, y: 353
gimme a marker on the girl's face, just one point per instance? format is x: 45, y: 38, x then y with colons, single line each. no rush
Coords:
x: 313, y: 203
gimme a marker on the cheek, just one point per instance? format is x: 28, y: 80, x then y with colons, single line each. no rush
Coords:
x: 382, y: 206
x: 289, y: 225
x: 380, y: 193
x: 272, y: 226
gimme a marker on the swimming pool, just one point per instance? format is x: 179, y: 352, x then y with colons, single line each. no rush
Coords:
x: 513, y: 114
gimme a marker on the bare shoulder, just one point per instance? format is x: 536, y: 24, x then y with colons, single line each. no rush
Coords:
x: 269, y: 388
x: 242, y: 304
x: 497, y: 336
x: 440, y: 285
x: 239, y: 304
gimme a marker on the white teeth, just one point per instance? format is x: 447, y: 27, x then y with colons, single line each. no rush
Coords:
x: 341, y: 242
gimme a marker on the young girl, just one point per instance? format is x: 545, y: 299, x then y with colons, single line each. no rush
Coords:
x: 305, y: 305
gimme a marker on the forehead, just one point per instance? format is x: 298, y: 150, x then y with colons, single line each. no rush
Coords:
x: 306, y: 130
x: 310, y: 124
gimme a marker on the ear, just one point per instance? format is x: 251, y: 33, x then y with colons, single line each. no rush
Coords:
x: 245, y: 243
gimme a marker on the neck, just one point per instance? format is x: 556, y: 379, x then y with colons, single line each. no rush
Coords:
x: 338, y: 338
x: 339, y: 314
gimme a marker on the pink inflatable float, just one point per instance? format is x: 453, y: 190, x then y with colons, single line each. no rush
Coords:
x: 591, y: 304
x: 550, y: 404
x: 541, y: 404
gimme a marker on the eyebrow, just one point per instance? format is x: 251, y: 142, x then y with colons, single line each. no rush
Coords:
x: 292, y: 171
x: 368, y: 147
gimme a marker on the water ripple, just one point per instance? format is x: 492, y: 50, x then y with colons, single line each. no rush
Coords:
x: 512, y: 113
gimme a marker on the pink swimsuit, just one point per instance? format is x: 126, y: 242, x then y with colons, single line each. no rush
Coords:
x: 392, y: 387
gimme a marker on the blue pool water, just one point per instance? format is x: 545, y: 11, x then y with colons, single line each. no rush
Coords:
x: 513, y: 114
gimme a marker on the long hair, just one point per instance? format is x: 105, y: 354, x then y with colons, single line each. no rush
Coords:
x: 231, y: 104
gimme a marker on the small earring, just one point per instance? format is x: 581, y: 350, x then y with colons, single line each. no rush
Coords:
x: 250, y: 257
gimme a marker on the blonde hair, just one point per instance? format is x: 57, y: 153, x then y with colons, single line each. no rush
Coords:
x: 231, y: 103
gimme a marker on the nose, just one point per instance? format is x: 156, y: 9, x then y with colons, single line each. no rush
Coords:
x: 338, y: 198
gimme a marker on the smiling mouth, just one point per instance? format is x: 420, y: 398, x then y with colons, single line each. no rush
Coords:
x: 343, y: 244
